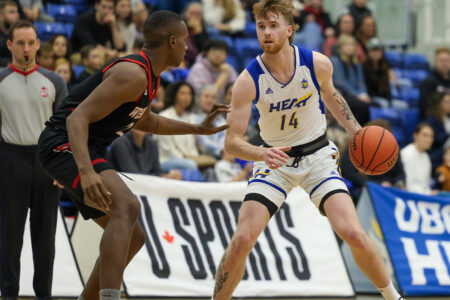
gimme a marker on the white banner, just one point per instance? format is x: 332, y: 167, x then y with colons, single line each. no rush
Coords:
x: 66, y: 278
x: 188, y: 226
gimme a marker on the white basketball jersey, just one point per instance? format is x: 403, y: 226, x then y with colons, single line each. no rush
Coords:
x: 290, y: 114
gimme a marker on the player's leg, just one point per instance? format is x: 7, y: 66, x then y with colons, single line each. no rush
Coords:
x: 342, y: 215
x: 116, y: 238
x: 92, y: 287
x: 253, y: 218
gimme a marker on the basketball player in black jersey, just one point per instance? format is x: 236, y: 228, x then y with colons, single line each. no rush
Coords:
x: 110, y: 102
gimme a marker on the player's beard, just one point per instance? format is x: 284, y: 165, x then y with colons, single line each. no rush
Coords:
x: 274, y: 48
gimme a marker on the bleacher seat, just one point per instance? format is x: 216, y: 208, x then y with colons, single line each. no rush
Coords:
x: 247, y: 47
x: 410, y: 95
x: 410, y: 119
x: 77, y: 70
x: 227, y: 39
x: 62, y: 12
x: 415, y: 62
x: 395, y: 59
x: 192, y: 175
x: 234, y: 62
x: 390, y: 114
x: 80, y: 5
x: 212, y: 31
x: 180, y: 74
x: 416, y: 76
x: 151, y: 2
x: 250, y: 29
x: 48, y: 30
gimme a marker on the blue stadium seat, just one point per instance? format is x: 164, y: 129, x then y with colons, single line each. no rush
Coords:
x: 69, y: 29
x: 234, y: 62
x: 180, y: 74
x: 410, y: 119
x: 77, y: 70
x: 192, y: 175
x: 394, y: 58
x: 411, y: 95
x: 416, y: 76
x: 250, y: 29
x: 247, y: 47
x: 62, y: 12
x: 212, y: 31
x: 398, y: 72
x: 48, y: 30
x: 390, y: 114
x: 415, y: 62
x: 151, y: 2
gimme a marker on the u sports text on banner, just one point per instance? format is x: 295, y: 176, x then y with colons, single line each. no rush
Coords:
x: 416, y: 230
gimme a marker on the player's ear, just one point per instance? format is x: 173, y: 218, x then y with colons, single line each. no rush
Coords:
x: 172, y: 41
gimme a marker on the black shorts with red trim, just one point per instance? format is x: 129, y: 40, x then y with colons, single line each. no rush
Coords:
x: 56, y: 158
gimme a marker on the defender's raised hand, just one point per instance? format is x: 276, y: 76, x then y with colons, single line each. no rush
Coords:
x: 207, y: 126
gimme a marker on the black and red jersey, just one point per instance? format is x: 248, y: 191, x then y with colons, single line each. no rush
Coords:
x: 122, y: 119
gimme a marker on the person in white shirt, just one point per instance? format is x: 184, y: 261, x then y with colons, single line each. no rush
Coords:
x: 228, y: 170
x: 416, y: 161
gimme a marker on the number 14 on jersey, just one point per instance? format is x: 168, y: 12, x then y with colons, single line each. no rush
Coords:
x: 293, y: 121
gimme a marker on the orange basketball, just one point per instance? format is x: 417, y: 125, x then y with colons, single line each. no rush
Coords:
x: 373, y: 150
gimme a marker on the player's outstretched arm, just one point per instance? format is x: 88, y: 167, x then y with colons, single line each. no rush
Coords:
x: 122, y: 83
x: 244, y: 92
x: 158, y: 124
x: 332, y: 98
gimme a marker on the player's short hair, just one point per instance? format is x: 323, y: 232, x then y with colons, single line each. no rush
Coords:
x: 442, y: 49
x: 159, y: 26
x: 5, y: 3
x: 20, y: 24
x: 113, y: 1
x: 279, y: 7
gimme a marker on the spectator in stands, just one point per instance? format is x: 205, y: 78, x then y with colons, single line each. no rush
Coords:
x: 9, y: 14
x: 228, y: 91
x: 140, y: 14
x: 211, y: 144
x: 438, y: 80
x: 137, y: 152
x: 63, y: 68
x: 378, y: 73
x: 92, y: 60
x: 225, y: 15
x: 61, y: 47
x: 178, y: 151
x: 125, y: 25
x: 198, y: 36
x: 314, y: 12
x: 29, y: 94
x: 228, y: 170
x: 336, y: 133
x: 344, y: 25
x: 348, y: 77
x: 32, y: 10
x: 211, y: 68
x: 358, y: 9
x: 416, y: 161
x: 438, y: 112
x: 45, y: 57
x: 443, y: 171
x: 393, y: 178
x: 98, y: 28
x: 365, y: 31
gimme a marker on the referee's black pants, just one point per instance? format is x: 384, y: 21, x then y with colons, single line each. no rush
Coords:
x: 23, y: 186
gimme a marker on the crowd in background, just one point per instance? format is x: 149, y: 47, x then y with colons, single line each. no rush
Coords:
x: 108, y: 29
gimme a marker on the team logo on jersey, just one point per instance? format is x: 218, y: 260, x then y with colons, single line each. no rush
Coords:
x: 44, y: 92
x: 304, y: 83
x: 269, y: 91
x: 137, y: 112
x: 290, y: 103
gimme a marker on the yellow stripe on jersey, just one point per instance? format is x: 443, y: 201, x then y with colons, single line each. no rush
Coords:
x: 302, y: 98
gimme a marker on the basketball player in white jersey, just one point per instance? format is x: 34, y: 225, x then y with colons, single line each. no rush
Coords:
x: 290, y: 87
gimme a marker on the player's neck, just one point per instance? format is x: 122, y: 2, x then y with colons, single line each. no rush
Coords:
x: 158, y: 63
x: 281, y: 61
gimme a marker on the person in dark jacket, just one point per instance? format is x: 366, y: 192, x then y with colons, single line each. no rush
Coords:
x: 438, y: 80
x: 358, y: 9
x: 9, y: 14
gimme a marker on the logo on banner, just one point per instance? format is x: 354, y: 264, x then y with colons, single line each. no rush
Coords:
x: 417, y: 234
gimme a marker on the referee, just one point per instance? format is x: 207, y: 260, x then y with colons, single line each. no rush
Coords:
x: 28, y: 97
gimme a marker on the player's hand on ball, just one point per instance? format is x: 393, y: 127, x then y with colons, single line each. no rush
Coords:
x: 207, y: 127
x: 95, y: 193
x: 275, y: 157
